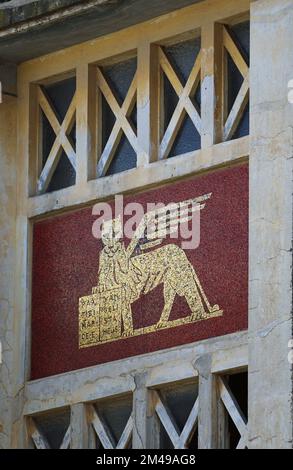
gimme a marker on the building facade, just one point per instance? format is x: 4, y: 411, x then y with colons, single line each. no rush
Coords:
x: 118, y: 328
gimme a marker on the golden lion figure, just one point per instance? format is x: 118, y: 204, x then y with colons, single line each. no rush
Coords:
x: 138, y: 274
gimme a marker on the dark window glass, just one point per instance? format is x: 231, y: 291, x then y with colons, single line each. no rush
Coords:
x: 240, y: 34
x: 238, y: 384
x: 119, y: 77
x: 53, y: 426
x: 114, y: 414
x: 182, y: 57
x: 59, y: 96
x: 179, y: 400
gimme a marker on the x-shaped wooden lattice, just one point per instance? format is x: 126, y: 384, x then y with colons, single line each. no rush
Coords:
x: 104, y: 434
x: 184, y: 105
x: 241, y: 100
x: 122, y: 123
x: 234, y: 412
x: 179, y: 440
x: 61, y: 140
x: 41, y: 441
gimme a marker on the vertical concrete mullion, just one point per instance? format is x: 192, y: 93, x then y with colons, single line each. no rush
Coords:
x: 270, y: 231
x: 208, y: 98
x: 79, y: 427
x: 207, y: 411
x: 222, y: 425
x: 86, y: 123
x: 22, y: 276
x: 146, y: 432
x: 148, y: 90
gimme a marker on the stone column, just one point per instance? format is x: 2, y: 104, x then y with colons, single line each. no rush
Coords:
x: 79, y: 427
x: 8, y: 115
x: 270, y: 260
x: 146, y: 431
x: 207, y: 411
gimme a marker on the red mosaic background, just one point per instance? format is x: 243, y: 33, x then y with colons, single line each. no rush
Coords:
x: 65, y: 267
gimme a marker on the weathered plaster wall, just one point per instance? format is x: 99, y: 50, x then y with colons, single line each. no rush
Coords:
x: 7, y: 231
x: 271, y: 165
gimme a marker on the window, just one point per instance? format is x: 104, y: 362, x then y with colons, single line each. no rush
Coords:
x: 177, y: 410
x: 112, y: 423
x: 56, y: 139
x: 236, y: 80
x: 233, y: 390
x: 51, y: 430
x: 140, y: 106
x: 117, y: 85
x: 180, y: 65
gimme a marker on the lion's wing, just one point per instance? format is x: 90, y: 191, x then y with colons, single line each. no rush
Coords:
x: 160, y: 222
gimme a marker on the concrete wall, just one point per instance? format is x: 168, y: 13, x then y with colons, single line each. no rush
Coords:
x: 8, y: 115
x: 271, y: 165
